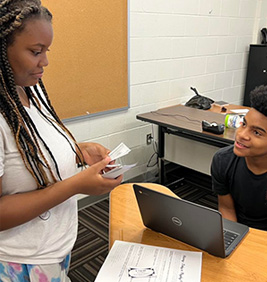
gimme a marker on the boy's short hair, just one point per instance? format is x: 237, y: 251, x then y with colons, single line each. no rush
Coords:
x: 258, y: 99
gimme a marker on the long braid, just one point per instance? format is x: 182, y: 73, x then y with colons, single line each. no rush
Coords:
x: 51, y: 110
x: 13, y: 15
x: 53, y: 122
x: 30, y: 94
x: 16, y: 118
x: 34, y: 147
x: 17, y: 126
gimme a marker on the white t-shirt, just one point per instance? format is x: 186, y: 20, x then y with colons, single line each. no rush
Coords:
x: 50, y: 237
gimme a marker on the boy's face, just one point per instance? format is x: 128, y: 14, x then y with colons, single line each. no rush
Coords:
x: 251, y: 137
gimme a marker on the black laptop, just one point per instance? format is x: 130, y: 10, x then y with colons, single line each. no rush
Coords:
x: 196, y: 225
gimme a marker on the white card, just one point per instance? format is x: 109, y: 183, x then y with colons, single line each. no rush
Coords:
x: 114, y: 173
x: 113, y: 165
x: 120, y: 151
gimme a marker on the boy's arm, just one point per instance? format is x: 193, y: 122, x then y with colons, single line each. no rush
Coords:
x: 227, y: 207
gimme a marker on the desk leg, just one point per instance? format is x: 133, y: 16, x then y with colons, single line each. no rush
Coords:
x: 161, y: 154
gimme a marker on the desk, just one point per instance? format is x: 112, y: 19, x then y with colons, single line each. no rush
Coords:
x: 186, y: 122
x: 247, y: 263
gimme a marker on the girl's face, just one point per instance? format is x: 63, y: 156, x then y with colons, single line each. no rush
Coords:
x: 27, y: 55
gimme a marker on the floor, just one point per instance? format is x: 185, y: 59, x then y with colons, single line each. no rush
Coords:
x: 91, y: 247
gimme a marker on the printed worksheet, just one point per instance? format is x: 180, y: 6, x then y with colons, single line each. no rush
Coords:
x: 132, y: 262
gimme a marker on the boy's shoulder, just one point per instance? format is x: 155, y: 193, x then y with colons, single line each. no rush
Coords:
x: 225, y: 155
x: 226, y: 151
x: 224, y: 161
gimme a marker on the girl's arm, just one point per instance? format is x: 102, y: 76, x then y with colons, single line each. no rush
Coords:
x: 20, y: 208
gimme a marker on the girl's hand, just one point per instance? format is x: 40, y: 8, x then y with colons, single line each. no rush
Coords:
x: 91, y: 182
x: 93, y: 152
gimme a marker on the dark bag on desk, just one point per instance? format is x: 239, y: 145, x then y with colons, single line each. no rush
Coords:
x: 199, y: 102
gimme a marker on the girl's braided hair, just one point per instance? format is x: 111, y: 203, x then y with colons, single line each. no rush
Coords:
x: 14, y: 14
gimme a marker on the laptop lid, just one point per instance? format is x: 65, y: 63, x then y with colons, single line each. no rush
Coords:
x: 191, y: 223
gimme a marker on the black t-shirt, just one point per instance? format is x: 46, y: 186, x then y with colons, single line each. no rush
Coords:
x: 230, y: 175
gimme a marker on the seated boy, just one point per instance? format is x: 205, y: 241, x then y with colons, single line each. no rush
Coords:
x: 239, y: 171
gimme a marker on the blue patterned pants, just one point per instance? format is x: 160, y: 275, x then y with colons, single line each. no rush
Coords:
x: 16, y: 272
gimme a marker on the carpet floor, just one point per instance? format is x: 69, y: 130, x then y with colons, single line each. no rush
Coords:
x: 91, y: 247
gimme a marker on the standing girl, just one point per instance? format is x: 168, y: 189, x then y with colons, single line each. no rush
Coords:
x: 38, y: 155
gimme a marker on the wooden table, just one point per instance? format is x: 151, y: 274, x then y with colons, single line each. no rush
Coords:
x: 247, y: 263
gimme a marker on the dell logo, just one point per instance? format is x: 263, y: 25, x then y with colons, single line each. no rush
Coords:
x: 176, y: 221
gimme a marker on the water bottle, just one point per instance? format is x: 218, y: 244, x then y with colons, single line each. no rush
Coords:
x: 233, y: 120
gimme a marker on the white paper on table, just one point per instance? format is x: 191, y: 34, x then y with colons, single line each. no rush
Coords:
x: 117, y: 171
x: 132, y: 262
x: 240, y: 111
x: 120, y: 151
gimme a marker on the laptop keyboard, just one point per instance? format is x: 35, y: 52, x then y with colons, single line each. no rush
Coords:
x: 229, y: 237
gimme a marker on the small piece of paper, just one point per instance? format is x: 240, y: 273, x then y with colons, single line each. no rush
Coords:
x: 113, y: 165
x: 114, y: 173
x: 118, y: 169
x: 120, y: 151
